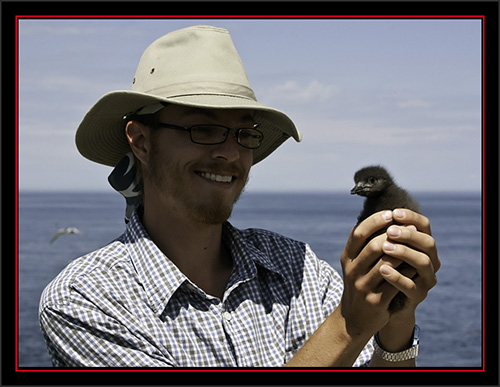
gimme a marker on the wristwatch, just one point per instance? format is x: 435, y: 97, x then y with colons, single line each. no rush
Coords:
x: 407, y: 354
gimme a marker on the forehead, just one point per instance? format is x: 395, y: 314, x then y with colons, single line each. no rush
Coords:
x: 202, y: 115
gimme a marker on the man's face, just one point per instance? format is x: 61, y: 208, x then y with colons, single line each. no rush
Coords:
x: 199, y: 181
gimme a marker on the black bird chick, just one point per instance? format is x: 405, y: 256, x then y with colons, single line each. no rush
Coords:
x: 377, y: 185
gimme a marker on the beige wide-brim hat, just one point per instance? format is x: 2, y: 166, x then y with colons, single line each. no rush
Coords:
x: 196, y: 67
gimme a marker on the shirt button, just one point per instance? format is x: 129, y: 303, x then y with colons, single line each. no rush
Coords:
x: 226, y: 315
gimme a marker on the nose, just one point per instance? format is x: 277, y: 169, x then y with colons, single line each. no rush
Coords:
x: 229, y: 150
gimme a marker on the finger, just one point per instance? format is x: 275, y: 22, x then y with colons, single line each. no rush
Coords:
x: 369, y: 260
x: 405, y: 216
x: 410, y: 287
x: 358, y: 270
x: 383, y: 293
x: 418, y: 240
x: 407, y: 271
x: 412, y: 237
x: 416, y: 259
x: 369, y: 278
x: 374, y: 279
x: 397, y: 264
x: 396, y: 279
x: 371, y: 251
x: 360, y: 234
x: 374, y: 289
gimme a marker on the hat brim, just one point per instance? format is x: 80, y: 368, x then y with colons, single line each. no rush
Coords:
x: 101, y: 134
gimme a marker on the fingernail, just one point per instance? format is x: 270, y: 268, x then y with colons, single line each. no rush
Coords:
x: 399, y: 213
x: 394, y: 231
x: 387, y: 215
x: 385, y: 270
x: 389, y: 246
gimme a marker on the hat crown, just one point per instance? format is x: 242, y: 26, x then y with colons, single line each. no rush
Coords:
x: 193, y: 60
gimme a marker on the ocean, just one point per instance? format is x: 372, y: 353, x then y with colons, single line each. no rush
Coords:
x: 450, y: 318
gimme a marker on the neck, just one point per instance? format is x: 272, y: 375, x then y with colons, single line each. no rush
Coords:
x: 195, y: 248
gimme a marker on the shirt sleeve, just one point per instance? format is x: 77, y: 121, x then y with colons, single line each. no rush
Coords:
x: 81, y: 337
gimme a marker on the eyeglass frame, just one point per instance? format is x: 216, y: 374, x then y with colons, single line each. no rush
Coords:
x: 189, y: 128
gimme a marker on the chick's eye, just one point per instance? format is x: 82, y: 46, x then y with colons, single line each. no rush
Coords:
x: 372, y: 180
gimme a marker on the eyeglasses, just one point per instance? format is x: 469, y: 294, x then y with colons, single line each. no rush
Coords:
x: 210, y: 134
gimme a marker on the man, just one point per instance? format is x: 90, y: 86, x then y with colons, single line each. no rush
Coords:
x: 182, y: 287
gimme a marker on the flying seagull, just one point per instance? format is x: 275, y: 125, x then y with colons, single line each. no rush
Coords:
x: 62, y: 231
x: 382, y: 193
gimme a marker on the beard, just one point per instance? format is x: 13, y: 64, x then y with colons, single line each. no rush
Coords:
x: 174, y: 185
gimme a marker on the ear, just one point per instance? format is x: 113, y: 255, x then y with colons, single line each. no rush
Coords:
x: 138, y: 139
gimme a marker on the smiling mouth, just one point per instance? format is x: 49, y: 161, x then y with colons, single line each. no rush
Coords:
x: 215, y: 177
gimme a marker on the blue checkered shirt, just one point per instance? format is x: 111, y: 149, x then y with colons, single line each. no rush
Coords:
x: 128, y: 305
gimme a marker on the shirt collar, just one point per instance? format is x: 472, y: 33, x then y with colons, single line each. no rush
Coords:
x: 161, y: 277
x: 245, y: 253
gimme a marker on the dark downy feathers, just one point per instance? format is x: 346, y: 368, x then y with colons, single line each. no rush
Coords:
x: 382, y: 193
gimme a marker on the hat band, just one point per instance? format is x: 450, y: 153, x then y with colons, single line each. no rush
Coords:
x: 203, y: 88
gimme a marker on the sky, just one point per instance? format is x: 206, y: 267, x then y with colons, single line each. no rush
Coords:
x: 403, y: 93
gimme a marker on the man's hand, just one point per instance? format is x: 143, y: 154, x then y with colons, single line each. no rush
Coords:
x: 366, y: 294
x: 372, y: 281
x: 413, y: 244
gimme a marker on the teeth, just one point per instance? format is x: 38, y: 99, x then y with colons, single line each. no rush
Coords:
x: 218, y: 178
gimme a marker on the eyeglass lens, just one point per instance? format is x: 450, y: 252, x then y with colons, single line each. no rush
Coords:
x: 215, y: 134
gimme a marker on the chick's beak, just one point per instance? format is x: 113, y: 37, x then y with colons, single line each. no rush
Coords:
x: 356, y: 189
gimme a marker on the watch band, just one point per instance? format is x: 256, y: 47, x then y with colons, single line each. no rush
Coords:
x: 410, y: 353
